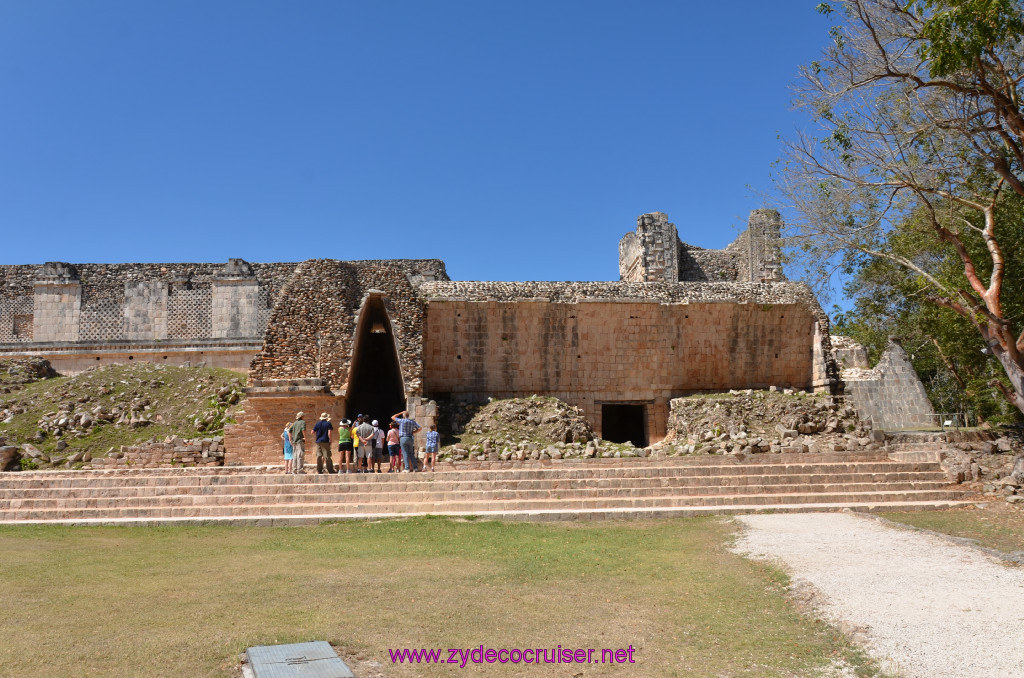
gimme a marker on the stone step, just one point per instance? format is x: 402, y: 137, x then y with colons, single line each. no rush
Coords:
x: 548, y: 489
x: 475, y: 507
x: 437, y: 496
x: 659, y: 460
x: 917, y: 456
x: 74, y: 479
x: 440, y: 483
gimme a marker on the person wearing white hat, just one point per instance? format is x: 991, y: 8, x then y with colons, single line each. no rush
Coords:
x: 345, y: 448
x: 323, y: 429
x: 365, y: 450
x: 378, y: 444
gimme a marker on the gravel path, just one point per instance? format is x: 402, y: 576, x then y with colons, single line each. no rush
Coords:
x: 928, y: 607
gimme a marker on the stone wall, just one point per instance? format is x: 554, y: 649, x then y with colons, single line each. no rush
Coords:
x: 306, y: 360
x: 592, y: 344
x: 760, y: 245
x: 99, y: 303
x: 81, y: 315
x: 171, y: 453
x: 891, y: 395
x: 651, y: 253
x: 697, y: 264
x: 849, y: 353
x: 145, y: 309
x: 256, y: 437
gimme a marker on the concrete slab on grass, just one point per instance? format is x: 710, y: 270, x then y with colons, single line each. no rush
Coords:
x: 316, y: 659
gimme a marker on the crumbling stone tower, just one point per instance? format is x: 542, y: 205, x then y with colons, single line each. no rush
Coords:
x: 651, y: 253
x: 654, y: 253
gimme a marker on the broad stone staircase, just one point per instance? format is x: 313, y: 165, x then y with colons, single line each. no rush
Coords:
x: 538, y: 490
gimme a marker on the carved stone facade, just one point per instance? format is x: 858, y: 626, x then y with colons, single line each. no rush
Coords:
x: 82, y: 315
x: 654, y: 253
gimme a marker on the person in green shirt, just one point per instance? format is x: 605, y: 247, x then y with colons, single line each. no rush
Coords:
x: 345, y: 445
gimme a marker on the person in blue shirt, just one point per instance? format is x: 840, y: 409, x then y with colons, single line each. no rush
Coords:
x: 433, y: 442
x: 286, y: 436
x: 406, y: 429
x: 323, y: 429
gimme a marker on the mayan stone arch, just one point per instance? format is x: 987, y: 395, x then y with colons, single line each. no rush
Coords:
x: 375, y: 383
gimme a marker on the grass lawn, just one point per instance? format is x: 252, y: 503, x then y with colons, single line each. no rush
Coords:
x: 184, y: 601
x: 1000, y: 527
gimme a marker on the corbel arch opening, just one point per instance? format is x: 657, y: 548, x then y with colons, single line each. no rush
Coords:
x: 375, y: 384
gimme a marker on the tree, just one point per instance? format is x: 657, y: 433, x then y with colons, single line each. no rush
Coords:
x: 950, y: 357
x: 923, y: 126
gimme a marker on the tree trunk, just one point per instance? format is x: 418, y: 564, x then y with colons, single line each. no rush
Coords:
x: 1015, y: 373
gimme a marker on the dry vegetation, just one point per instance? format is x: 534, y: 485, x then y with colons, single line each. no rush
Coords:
x: 998, y: 526
x: 186, y: 600
x: 67, y: 418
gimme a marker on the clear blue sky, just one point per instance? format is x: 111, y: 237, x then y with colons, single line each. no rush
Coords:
x: 516, y: 141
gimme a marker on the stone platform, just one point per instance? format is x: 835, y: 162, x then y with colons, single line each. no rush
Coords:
x: 528, y: 490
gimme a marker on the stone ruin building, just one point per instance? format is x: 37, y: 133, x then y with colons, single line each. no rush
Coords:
x: 382, y: 336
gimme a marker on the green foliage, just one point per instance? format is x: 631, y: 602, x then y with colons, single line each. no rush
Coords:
x: 959, y: 33
x: 918, y: 111
x: 946, y: 349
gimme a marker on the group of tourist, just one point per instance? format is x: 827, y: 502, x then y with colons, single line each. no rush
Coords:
x: 362, y: 445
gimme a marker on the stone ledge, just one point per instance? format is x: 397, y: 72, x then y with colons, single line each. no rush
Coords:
x: 577, y: 292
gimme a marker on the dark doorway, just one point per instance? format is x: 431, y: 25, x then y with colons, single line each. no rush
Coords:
x: 622, y: 423
x: 375, y: 385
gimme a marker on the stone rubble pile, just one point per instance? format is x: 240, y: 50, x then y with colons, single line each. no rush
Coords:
x: 96, y: 400
x: 992, y: 462
x: 753, y: 422
x: 517, y: 428
x: 17, y: 372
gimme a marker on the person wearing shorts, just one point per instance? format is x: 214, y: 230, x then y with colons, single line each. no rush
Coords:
x: 365, y: 453
x: 345, y: 445
x: 433, y: 442
x: 394, y: 449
